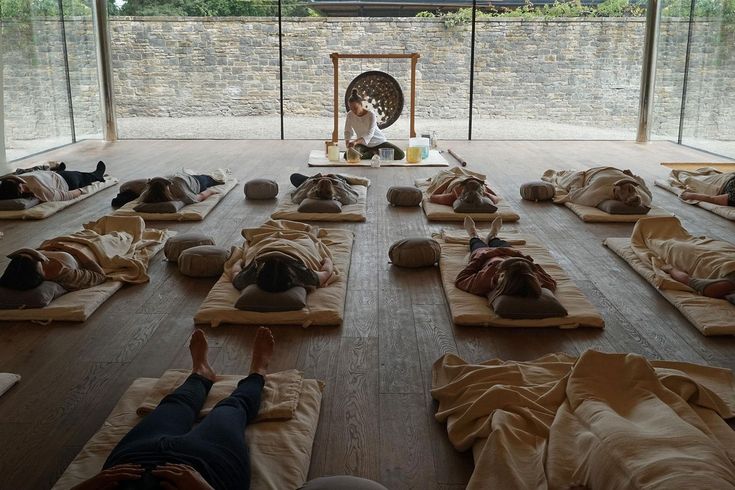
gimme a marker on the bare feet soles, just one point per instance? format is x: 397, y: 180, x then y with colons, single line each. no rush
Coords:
x: 262, y: 351
x: 198, y: 347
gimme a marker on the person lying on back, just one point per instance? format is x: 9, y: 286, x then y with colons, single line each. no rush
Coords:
x: 323, y: 187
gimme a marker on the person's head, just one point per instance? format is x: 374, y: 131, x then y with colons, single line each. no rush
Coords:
x: 625, y: 190
x: 516, y: 277
x: 355, y: 102
x: 22, y: 273
x: 472, y: 191
x: 274, y: 276
x: 324, y: 189
x: 157, y: 190
x: 13, y: 189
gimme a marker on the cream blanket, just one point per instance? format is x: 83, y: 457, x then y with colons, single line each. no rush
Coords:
x: 613, y: 421
x: 121, y: 246
x: 446, y: 180
x: 663, y: 241
x: 706, y: 180
x: 298, y: 240
x: 591, y: 187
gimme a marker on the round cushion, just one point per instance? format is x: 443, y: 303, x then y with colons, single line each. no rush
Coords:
x: 261, y: 189
x: 203, y: 261
x: 415, y: 252
x: 177, y: 244
x: 404, y: 196
x: 537, y: 191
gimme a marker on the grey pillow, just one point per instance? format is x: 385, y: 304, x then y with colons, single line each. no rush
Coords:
x: 320, y: 206
x: 519, y: 308
x: 253, y: 298
x: 537, y: 191
x: 203, y: 261
x: 404, y: 196
x: 484, y: 206
x: 415, y: 252
x: 159, y: 207
x: 261, y: 189
x: 178, y: 243
x: 18, y: 204
x: 611, y: 206
x: 135, y: 186
x: 38, y: 297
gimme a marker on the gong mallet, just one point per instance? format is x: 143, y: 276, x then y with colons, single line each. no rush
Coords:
x: 457, y: 157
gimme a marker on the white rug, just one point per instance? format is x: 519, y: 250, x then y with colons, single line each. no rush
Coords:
x: 317, y: 158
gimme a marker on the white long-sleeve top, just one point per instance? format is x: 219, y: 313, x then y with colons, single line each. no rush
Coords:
x: 46, y: 185
x: 365, y: 127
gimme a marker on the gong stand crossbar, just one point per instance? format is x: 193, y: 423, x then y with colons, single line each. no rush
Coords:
x: 414, y: 57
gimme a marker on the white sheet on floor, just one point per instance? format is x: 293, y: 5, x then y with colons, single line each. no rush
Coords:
x: 317, y: 158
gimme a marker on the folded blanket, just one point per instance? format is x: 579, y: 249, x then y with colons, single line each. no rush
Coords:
x: 121, y: 246
x: 705, y: 180
x: 7, y: 380
x: 279, y: 398
x: 593, y: 186
x: 614, y: 421
x: 663, y: 241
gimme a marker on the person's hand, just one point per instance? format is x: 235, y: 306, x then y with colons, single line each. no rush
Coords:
x: 180, y: 477
x: 327, y: 265
x: 109, y: 478
x: 350, y: 144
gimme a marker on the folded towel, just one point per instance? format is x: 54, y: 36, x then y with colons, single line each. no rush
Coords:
x: 7, y: 380
x: 279, y: 399
x: 451, y: 236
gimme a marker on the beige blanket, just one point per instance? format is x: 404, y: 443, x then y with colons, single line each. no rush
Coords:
x: 287, y: 209
x: 664, y: 241
x: 446, y: 180
x: 122, y: 246
x: 591, y: 187
x: 705, y: 180
x: 613, y: 421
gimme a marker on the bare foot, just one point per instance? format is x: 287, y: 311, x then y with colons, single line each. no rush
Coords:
x: 469, y: 226
x: 262, y: 351
x: 199, y: 347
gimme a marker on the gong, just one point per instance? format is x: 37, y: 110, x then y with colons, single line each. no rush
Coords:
x: 381, y: 93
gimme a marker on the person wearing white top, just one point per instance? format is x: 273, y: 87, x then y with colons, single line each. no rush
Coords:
x: 363, y: 125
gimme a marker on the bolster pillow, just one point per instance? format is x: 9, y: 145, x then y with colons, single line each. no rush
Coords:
x: 203, y: 261
x: 537, y: 191
x: 404, y: 196
x: 612, y: 206
x: 519, y: 307
x: 177, y: 244
x: 261, y: 189
x: 320, y: 206
x: 253, y: 298
x: 415, y: 252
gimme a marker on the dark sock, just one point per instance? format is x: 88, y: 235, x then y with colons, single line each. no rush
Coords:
x: 61, y: 166
x: 100, y: 171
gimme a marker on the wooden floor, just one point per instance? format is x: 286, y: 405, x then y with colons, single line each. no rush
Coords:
x: 376, y: 419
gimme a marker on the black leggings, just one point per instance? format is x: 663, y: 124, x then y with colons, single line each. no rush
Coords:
x: 369, y: 152
x: 215, y: 448
x: 205, y: 182
x: 77, y: 180
x: 477, y: 243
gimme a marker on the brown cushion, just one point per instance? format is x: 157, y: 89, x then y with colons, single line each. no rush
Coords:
x: 404, y: 196
x: 537, y: 191
x: 253, y: 298
x: 415, y: 252
x: 320, y: 206
x: 484, y: 206
x: 203, y: 261
x: 136, y: 186
x: 177, y: 244
x: 342, y: 482
x: 261, y: 189
x: 18, y: 204
x: 159, y: 207
x: 518, y: 307
x: 38, y: 297
x: 612, y: 206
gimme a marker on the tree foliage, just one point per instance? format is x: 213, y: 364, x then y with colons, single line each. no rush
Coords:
x: 215, y: 8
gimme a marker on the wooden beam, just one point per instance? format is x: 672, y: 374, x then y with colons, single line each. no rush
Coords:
x: 335, y: 63
x: 375, y: 55
x: 413, y: 96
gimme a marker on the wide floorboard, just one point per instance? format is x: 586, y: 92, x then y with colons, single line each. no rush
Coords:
x: 377, y: 414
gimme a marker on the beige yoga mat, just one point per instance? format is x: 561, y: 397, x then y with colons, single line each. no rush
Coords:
x: 317, y: 158
x: 192, y: 212
x: 722, y: 166
x: 589, y: 214
x: 442, y: 212
x: 470, y: 309
x: 324, y: 306
x: 46, y: 209
x: 280, y: 450
x: 711, y: 316
x: 352, y: 212
x: 727, y: 212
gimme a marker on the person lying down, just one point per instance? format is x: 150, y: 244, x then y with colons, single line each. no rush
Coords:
x: 181, y: 186
x: 57, y: 184
x: 449, y: 185
x: 282, y: 255
x: 325, y: 187
x: 496, y: 269
x: 28, y: 268
x: 594, y: 186
x: 716, y: 188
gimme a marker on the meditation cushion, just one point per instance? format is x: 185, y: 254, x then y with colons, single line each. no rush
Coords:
x: 261, y: 189
x: 177, y: 244
x: 342, y: 482
x: 253, y: 298
x: 203, y: 261
x: 537, y: 191
x: 415, y: 252
x: 518, y: 307
x: 136, y: 186
x: 484, y: 206
x: 320, y: 206
x: 38, y: 297
x: 612, y: 206
x: 404, y: 196
x: 159, y: 207
x: 18, y: 204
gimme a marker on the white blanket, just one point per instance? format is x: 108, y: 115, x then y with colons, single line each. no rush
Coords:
x: 593, y: 186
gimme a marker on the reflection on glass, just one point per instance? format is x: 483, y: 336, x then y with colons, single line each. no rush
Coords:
x: 36, y: 105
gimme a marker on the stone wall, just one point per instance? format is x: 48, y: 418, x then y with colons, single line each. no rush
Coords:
x: 572, y: 71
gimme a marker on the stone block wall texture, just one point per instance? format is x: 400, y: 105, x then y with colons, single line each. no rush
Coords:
x: 571, y: 71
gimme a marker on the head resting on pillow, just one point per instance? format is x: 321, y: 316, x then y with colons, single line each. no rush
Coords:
x: 274, y: 275
x: 324, y: 189
x: 516, y: 277
x: 624, y: 190
x: 157, y: 190
x: 472, y: 191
